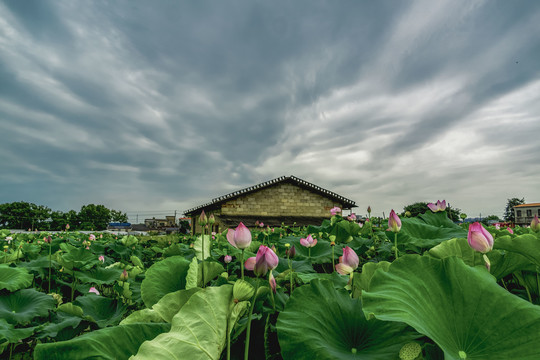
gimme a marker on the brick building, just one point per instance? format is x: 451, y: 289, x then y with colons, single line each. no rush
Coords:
x: 525, y: 213
x: 286, y: 200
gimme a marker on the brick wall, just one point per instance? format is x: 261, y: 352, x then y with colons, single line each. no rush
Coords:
x: 280, y: 200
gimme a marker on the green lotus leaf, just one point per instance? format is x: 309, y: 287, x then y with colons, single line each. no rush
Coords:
x: 502, y: 264
x: 300, y: 266
x: 118, y: 342
x: 78, y: 259
x: 198, y: 246
x: 9, y: 334
x: 142, y: 316
x: 460, y: 308
x: 426, y: 231
x: 339, y: 281
x: 99, y: 276
x: 526, y: 245
x: 320, y: 253
x: 64, y: 325
x: 212, y: 270
x: 368, y: 269
x: 163, y: 277
x: 198, y: 330
x: 171, y: 303
x: 24, y: 305
x: 14, y: 278
x: 242, y: 290
x: 103, y: 311
x: 136, y: 261
x: 39, y: 265
x: 320, y: 322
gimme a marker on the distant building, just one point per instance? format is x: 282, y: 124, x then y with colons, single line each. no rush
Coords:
x: 160, y: 224
x: 525, y: 213
x: 288, y: 200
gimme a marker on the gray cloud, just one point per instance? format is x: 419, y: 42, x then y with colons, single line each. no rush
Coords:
x: 163, y: 105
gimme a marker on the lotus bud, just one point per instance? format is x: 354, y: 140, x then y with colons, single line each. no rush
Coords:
x: 272, y: 282
x: 535, y: 224
x: 291, y: 252
x: 394, y: 222
x: 101, y: 258
x: 124, y: 276
x: 240, y: 238
x: 92, y: 237
x: 211, y: 220
x: 408, y: 213
x: 308, y: 242
x: 227, y: 259
x: 479, y: 238
x: 67, y: 227
x: 509, y: 229
x: 348, y: 262
x: 203, y: 220
x: 265, y: 260
x: 369, y: 209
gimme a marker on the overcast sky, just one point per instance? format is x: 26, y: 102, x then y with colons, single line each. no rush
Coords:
x: 154, y: 106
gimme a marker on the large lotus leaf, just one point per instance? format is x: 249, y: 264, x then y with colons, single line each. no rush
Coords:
x: 163, y: 277
x: 426, y: 231
x: 527, y: 245
x: 24, y: 305
x: 113, y: 343
x: 39, y: 265
x: 363, y: 279
x: 9, y: 334
x: 14, y: 278
x: 198, y: 246
x: 339, y: 281
x: 64, y: 324
x: 345, y: 230
x: 78, y: 258
x: 502, y: 264
x: 142, y: 316
x: 169, y: 305
x: 320, y: 322
x: 459, y: 307
x: 99, y: 276
x: 320, y: 253
x: 198, y: 330
x: 103, y: 311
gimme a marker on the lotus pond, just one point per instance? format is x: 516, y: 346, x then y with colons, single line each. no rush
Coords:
x: 421, y: 291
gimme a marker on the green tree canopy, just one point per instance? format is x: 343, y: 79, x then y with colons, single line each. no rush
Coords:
x: 509, y: 209
x: 421, y: 207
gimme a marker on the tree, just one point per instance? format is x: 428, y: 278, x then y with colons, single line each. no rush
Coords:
x: 509, y: 214
x: 118, y: 216
x: 23, y: 215
x: 94, y: 217
x: 421, y: 207
x: 489, y: 218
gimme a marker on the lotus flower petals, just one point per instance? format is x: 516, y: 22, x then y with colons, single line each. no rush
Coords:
x: 93, y: 290
x: 227, y: 259
x: 308, y: 242
x: 479, y: 238
x: 344, y: 269
x: 394, y: 222
x: 335, y: 210
x: 509, y: 229
x: 439, y: 206
x: 265, y: 260
x: 101, y: 258
x: 240, y: 238
x: 432, y: 207
x: 349, y: 257
x: 250, y: 263
x: 535, y: 224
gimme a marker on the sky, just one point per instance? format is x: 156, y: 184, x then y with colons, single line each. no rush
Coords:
x: 154, y: 106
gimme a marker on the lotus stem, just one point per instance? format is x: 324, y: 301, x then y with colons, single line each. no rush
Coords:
x: 395, y: 245
x: 242, y: 264
x: 50, y: 265
x: 290, y: 274
x: 202, y: 255
x: 333, y: 261
x: 248, y: 329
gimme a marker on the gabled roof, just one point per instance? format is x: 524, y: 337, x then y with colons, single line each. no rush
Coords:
x: 527, y: 205
x: 347, y: 203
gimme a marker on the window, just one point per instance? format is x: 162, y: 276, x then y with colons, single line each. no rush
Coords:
x: 518, y: 213
x: 529, y: 212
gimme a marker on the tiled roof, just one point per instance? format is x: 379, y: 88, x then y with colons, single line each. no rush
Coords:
x: 528, y: 205
x: 347, y: 203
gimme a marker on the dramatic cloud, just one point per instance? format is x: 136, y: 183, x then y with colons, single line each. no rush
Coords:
x: 148, y: 107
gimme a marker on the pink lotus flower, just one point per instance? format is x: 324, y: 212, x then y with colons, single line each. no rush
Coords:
x: 348, y: 262
x: 335, y: 210
x: 351, y: 217
x: 92, y: 237
x: 479, y: 238
x: 261, y: 224
x: 240, y: 238
x: 227, y: 259
x: 509, y: 229
x: 439, y: 206
x: 101, y: 258
x: 394, y: 222
x: 497, y: 226
x: 535, y: 224
x: 93, y: 290
x: 308, y: 242
x: 265, y: 260
x: 272, y: 282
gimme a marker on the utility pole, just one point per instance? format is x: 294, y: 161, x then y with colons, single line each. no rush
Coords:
x: 137, y: 218
x: 175, y: 218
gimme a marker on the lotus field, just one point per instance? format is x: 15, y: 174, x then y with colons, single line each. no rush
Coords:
x: 400, y: 288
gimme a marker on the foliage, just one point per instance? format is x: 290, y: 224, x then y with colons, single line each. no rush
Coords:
x: 509, y: 214
x: 419, y: 208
